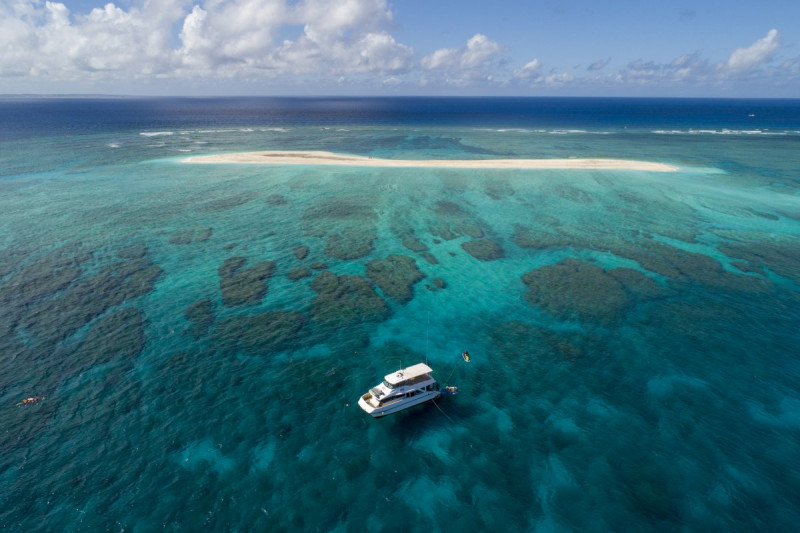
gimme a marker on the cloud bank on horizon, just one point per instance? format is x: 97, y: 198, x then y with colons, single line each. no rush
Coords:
x: 324, y: 44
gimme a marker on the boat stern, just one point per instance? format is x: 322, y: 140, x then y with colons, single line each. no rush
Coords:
x: 364, y: 404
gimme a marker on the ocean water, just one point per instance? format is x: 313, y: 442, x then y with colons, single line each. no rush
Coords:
x: 201, y: 334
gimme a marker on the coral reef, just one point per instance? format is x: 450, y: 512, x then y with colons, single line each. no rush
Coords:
x: 276, y: 199
x: 60, y: 316
x: 229, y: 202
x: 133, y: 251
x: 190, y: 235
x: 298, y: 273
x: 301, y: 251
x: 348, y: 223
x: 346, y: 299
x: 265, y: 332
x: 201, y: 315
x: 242, y: 286
x: 453, y: 221
x: 573, y: 288
x: 484, y: 249
x: 395, y: 275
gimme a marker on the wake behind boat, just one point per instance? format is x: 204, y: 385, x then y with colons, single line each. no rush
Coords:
x: 400, y: 390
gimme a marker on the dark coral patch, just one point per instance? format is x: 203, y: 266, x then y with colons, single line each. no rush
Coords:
x: 201, y: 315
x: 229, y: 202
x: 45, y: 276
x: 680, y: 266
x: 352, y: 244
x: 520, y: 343
x: 348, y: 223
x: 430, y: 258
x: 484, y: 249
x: 453, y: 221
x: 58, y: 317
x: 298, y: 273
x: 498, y: 189
x: 572, y: 288
x: 242, y: 286
x: 395, y: 275
x: 346, y: 299
x: 117, y: 337
x: 133, y: 251
x: 438, y: 284
x: 276, y: 199
x: 744, y: 267
x: 269, y: 331
x: 190, y: 235
x: 781, y: 256
x: 301, y: 251
x: 405, y: 232
x: 538, y: 238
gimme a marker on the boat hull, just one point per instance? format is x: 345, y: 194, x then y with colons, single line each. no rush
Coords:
x: 378, y: 412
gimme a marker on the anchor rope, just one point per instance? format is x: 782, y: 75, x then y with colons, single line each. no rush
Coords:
x: 440, y: 410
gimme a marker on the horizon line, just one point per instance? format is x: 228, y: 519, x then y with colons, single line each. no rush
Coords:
x: 356, y: 96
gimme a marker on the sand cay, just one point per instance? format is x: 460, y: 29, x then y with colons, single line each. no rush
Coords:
x: 330, y: 158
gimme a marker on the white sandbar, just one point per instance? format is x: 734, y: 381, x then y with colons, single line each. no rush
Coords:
x: 344, y: 160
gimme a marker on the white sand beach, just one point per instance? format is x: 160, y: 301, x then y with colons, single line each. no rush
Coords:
x: 330, y: 158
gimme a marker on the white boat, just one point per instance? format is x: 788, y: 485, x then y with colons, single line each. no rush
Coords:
x: 400, y: 390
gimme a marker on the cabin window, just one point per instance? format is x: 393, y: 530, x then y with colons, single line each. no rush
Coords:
x: 388, y: 385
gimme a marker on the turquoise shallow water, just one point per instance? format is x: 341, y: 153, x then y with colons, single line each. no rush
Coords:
x: 201, y: 333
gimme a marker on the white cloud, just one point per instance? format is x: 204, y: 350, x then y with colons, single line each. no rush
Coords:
x: 528, y: 71
x: 215, y: 38
x: 598, y: 65
x: 43, y: 43
x: 758, y: 53
x: 558, y: 78
x: 478, y: 60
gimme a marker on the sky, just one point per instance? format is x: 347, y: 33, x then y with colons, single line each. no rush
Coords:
x: 701, y: 48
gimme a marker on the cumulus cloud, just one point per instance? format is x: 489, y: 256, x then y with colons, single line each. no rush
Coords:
x: 529, y: 70
x: 694, y: 70
x: 598, y: 65
x: 214, y: 38
x: 478, y: 60
x: 686, y: 68
x: 47, y: 40
x: 758, y: 53
x: 42, y: 41
x: 558, y: 78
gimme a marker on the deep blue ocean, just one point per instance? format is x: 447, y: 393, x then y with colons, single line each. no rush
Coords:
x: 199, y: 335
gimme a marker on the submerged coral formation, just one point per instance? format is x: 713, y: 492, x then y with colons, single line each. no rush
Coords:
x: 243, y: 286
x: 264, y: 332
x: 573, y: 288
x: 298, y: 273
x: 301, y: 251
x: 453, y: 221
x: 60, y: 316
x: 229, y: 202
x: 348, y: 224
x: 395, y: 275
x: 201, y: 315
x: 346, y: 299
x: 190, y: 235
x: 484, y: 249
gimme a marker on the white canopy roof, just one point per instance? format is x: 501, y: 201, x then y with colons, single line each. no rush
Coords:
x: 406, y: 374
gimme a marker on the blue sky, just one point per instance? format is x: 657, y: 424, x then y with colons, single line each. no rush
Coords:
x: 415, y: 47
